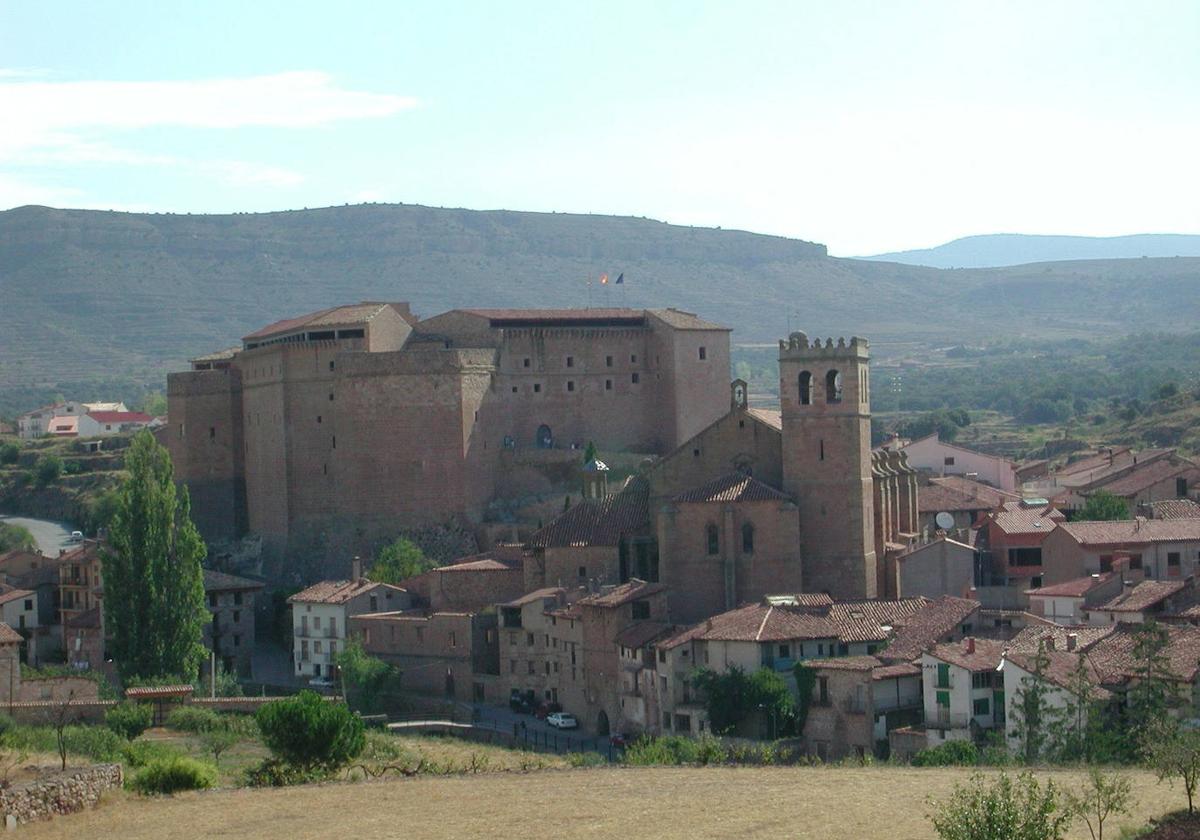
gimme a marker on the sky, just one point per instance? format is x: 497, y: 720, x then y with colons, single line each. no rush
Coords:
x: 868, y: 126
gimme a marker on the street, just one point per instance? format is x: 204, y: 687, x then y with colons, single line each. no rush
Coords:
x: 50, y: 536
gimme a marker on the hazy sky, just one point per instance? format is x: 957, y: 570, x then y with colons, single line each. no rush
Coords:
x: 866, y: 126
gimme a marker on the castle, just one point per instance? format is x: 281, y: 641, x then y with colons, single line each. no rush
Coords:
x: 332, y: 431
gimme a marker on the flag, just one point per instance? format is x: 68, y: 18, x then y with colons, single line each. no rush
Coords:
x: 621, y: 278
x: 603, y: 279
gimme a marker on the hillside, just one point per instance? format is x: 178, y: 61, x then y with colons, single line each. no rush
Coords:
x: 1003, y: 249
x: 89, y: 295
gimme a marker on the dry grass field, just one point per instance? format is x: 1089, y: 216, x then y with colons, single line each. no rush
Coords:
x: 870, y: 803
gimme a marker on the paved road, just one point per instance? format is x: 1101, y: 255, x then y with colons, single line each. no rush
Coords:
x: 50, y: 536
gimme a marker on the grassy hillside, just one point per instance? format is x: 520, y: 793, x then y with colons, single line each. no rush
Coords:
x: 124, y: 297
x: 869, y: 803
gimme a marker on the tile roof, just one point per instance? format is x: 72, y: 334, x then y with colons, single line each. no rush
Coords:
x: 845, y: 663
x: 338, y: 591
x: 1133, y: 531
x: 65, y: 425
x: 680, y: 320
x: 734, y: 487
x: 631, y: 590
x: 536, y: 595
x: 9, y: 636
x: 153, y: 691
x: 119, y: 417
x: 1028, y: 639
x: 641, y: 634
x: 215, y: 581
x: 1075, y: 588
x: 1092, y: 462
x: 898, y: 669
x: 599, y: 521
x: 1143, y: 596
x: 14, y: 594
x: 1144, y: 476
x: 218, y: 355
x: 1060, y: 667
x: 1175, y: 509
x: 868, y: 620
x: 926, y: 626
x: 762, y: 623
x: 1114, y: 654
x: 768, y: 416
x: 954, y: 492
x: 986, y: 655
x: 355, y: 313
x: 565, y: 317
x: 1021, y: 518
x: 801, y: 599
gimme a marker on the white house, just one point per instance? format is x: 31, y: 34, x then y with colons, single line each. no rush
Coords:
x: 104, y: 423
x: 1069, y: 602
x: 36, y: 423
x: 1060, y: 675
x: 18, y: 609
x: 931, y: 454
x: 963, y: 693
x: 320, y: 615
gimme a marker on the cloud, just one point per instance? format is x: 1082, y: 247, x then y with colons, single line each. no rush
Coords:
x: 52, y: 123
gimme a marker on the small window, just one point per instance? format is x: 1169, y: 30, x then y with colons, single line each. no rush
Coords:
x: 982, y: 707
x: 633, y: 360
x: 582, y: 572
x: 537, y: 387
x: 237, y: 598
x: 331, y: 397
x: 453, y: 639
x: 713, y: 539
x: 747, y: 538
x: 212, y: 432
x: 608, y: 361
x: 695, y: 453
x: 525, y: 363
x: 334, y: 440
x: 821, y: 450
x: 805, y: 387
x: 833, y: 387
x: 703, y: 354
x: 948, y: 461
x: 570, y: 385
x: 331, y: 365
x: 318, y: 418
x: 1173, y: 558
x: 514, y: 389
x: 607, y: 384
x: 570, y: 361
x: 1181, y: 487
x: 634, y: 378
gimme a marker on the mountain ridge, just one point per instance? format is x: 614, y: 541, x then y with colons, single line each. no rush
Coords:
x: 1000, y: 250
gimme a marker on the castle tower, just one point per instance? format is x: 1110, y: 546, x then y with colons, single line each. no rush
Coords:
x: 824, y: 391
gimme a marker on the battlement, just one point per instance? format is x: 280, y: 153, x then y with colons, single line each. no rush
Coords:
x: 796, y: 346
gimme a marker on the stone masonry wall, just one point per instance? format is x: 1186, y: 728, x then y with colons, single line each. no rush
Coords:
x: 62, y: 793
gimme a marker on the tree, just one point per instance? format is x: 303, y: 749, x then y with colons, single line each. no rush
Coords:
x: 1152, y: 693
x: 399, y: 561
x: 16, y: 536
x: 806, y: 681
x: 217, y: 741
x: 155, y: 404
x: 48, y: 469
x: 154, y: 585
x: 9, y: 453
x: 998, y: 807
x: 367, y: 681
x: 1173, y: 752
x: 1103, y: 506
x: 1033, y: 715
x: 311, y: 733
x: 774, y: 699
x: 61, y: 715
x: 1104, y: 794
x: 731, y: 697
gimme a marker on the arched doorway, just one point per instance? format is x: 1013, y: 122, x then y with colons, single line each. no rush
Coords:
x: 449, y: 683
x: 602, y: 723
x: 545, y: 438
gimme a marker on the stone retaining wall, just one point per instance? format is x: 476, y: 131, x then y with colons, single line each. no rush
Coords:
x: 61, y: 793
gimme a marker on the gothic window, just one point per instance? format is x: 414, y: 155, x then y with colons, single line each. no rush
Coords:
x: 833, y: 387
x: 805, y: 388
x: 747, y: 538
x: 713, y: 538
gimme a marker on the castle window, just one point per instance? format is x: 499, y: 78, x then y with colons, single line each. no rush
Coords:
x: 805, y: 388
x: 607, y: 384
x: 525, y: 363
x: 212, y: 432
x: 331, y: 365
x: 570, y: 361
x: 331, y: 397
x: 833, y: 387
x: 514, y: 389
x: 696, y: 453
x: 633, y: 360
x: 570, y: 385
x: 634, y: 378
x: 318, y: 418
x: 537, y: 388
x: 335, y: 441
x: 703, y: 354
x: 713, y: 538
x: 747, y: 538
x: 608, y: 361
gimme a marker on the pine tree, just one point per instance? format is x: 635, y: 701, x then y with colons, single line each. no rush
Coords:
x: 1153, y: 691
x: 153, y: 582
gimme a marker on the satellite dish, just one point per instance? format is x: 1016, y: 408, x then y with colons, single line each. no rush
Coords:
x: 944, y: 521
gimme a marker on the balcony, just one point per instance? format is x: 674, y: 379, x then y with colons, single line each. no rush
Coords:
x: 945, y: 719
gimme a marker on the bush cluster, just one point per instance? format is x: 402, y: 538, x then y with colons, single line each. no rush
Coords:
x: 129, y: 720
x: 310, y: 733
x: 949, y: 754
x: 98, y: 743
x: 173, y: 774
x: 140, y: 753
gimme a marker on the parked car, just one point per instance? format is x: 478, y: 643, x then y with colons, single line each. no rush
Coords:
x: 76, y: 536
x: 562, y: 720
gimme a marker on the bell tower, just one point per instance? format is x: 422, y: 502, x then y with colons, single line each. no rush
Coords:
x: 824, y: 391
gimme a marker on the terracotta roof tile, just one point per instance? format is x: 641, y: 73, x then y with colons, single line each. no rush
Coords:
x: 624, y: 593
x: 1175, y: 509
x: 986, y: 655
x: 119, y: 417
x: 1028, y: 639
x: 898, y: 669
x: 599, y: 522
x: 734, y: 487
x: 215, y: 581
x: 1143, y: 476
x: 355, y: 313
x: 1143, y: 596
x: 641, y: 634
x: 536, y: 595
x: 1133, y: 531
x: 768, y: 416
x: 1113, y: 654
x: 1075, y: 588
x: 926, y: 626
x: 952, y: 492
x: 1022, y: 518
x: 845, y: 663
x: 14, y: 594
x: 9, y: 636
x: 338, y: 591
x: 680, y: 320
x: 1060, y: 667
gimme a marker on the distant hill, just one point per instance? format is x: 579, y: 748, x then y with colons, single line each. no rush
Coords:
x: 1004, y: 249
x: 87, y: 294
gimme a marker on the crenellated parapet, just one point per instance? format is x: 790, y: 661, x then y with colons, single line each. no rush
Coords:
x: 797, y: 346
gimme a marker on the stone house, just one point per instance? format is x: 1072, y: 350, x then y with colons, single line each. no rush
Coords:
x: 79, y: 580
x: 321, y: 615
x: 1151, y: 476
x: 942, y: 566
x: 449, y: 654
x: 1071, y: 601
x: 966, y: 500
x: 34, y: 571
x: 856, y: 702
x: 1144, y: 601
x: 230, y: 633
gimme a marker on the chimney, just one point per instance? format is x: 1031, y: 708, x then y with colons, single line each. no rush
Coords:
x: 356, y: 569
x: 969, y: 644
x: 1072, y: 640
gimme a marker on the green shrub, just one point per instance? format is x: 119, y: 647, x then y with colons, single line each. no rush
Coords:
x: 949, y: 754
x: 9, y: 453
x: 129, y: 720
x: 6, y: 724
x: 171, y: 775
x: 669, y: 749
x: 586, y: 759
x: 49, y: 468
x: 193, y: 719
x: 309, y: 732
x: 995, y: 807
x: 98, y: 743
x: 709, y: 750
x: 274, y: 772
x: 140, y: 753
x: 382, y: 747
